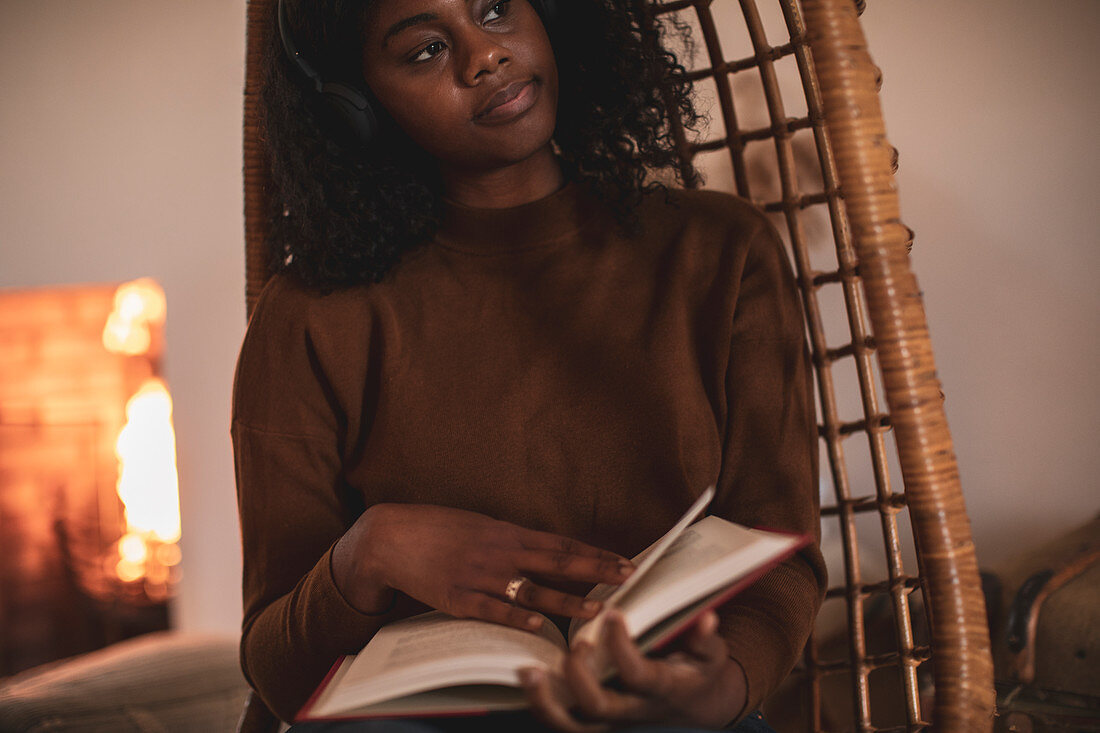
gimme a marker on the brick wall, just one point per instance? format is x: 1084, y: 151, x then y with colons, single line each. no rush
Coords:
x: 62, y: 404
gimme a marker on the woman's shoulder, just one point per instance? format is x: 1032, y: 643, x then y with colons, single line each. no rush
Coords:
x: 286, y: 302
x: 716, y: 229
x: 297, y: 339
x: 291, y: 317
x: 720, y: 209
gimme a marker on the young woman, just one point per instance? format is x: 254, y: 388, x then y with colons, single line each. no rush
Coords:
x: 496, y: 359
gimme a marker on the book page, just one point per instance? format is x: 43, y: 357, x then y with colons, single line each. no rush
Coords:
x: 643, y: 561
x: 655, y: 634
x: 445, y: 701
x: 434, y: 650
x: 711, y: 554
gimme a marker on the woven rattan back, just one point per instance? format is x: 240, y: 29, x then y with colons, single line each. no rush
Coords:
x: 826, y: 175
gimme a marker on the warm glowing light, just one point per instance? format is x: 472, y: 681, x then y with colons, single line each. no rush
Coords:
x: 131, y: 548
x: 146, y: 448
x: 157, y: 575
x: 137, y: 305
x: 147, y: 483
x: 169, y: 555
x: 128, y: 571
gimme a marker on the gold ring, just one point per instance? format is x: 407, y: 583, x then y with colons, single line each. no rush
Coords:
x: 513, y: 587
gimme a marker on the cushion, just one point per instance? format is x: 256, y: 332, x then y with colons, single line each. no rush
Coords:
x: 161, y: 682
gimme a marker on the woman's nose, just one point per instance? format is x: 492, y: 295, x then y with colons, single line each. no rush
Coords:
x: 484, y: 56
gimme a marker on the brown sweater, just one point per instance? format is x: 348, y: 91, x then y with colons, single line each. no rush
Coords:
x: 536, y: 365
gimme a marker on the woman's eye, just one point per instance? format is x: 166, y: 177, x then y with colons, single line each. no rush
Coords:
x: 498, y: 10
x: 428, y: 51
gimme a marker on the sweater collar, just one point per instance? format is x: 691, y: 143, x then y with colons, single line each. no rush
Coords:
x: 534, y: 224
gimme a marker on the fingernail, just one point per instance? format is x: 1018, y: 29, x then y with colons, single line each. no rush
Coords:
x: 591, y: 606
x: 625, y: 568
x: 534, y: 620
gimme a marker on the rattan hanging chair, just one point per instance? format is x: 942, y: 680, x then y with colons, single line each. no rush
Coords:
x: 883, y: 351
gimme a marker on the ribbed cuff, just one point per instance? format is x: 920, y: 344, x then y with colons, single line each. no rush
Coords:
x: 345, y: 626
x: 310, y: 629
x: 331, y: 579
x: 766, y: 626
x: 761, y: 647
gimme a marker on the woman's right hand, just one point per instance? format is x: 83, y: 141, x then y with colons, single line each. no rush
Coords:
x: 461, y: 562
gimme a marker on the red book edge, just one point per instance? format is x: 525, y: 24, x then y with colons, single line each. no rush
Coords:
x: 676, y: 632
x: 299, y: 717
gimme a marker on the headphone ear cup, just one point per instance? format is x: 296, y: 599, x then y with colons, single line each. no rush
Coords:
x: 351, y: 111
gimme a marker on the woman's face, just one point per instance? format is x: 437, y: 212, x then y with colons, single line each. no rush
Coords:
x: 473, y: 82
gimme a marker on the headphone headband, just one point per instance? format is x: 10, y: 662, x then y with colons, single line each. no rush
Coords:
x: 291, y: 50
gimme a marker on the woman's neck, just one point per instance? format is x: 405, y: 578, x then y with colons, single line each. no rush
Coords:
x: 500, y: 188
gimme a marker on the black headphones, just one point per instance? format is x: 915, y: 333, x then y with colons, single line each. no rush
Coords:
x: 347, y: 103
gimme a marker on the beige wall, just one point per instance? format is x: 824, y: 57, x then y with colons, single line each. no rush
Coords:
x: 994, y: 109
x: 120, y: 157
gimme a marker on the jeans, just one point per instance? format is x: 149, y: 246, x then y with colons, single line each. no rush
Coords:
x: 495, y: 723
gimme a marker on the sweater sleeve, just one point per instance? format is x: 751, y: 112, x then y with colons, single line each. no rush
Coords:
x: 769, y: 469
x: 293, y: 508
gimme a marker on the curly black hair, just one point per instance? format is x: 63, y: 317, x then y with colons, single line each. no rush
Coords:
x: 344, y: 215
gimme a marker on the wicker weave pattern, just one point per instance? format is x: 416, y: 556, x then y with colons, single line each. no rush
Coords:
x: 871, y: 274
x: 960, y: 638
x: 878, y: 289
x: 256, y: 171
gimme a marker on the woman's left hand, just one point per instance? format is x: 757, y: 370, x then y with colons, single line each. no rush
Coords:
x: 699, y: 684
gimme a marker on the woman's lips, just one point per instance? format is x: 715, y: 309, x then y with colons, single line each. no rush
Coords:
x: 516, y: 98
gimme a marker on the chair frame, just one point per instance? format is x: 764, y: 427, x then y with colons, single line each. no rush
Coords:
x: 882, y: 298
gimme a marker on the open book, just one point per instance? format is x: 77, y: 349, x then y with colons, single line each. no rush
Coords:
x: 434, y: 664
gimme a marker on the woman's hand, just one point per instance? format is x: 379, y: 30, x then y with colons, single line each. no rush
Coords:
x: 697, y: 685
x: 461, y: 562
